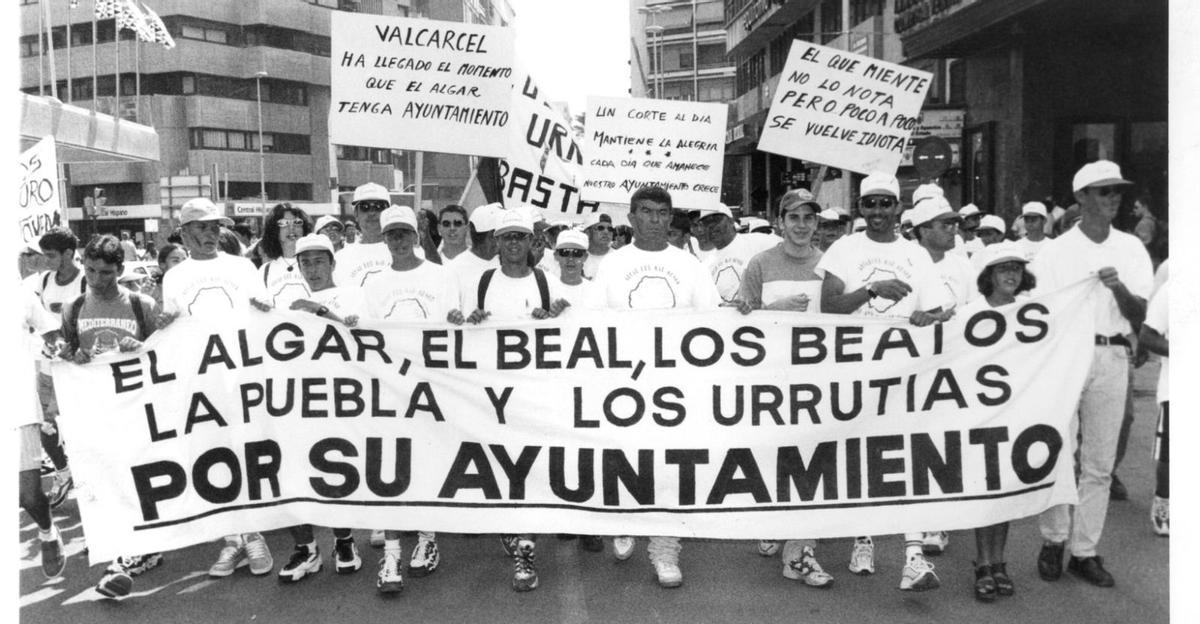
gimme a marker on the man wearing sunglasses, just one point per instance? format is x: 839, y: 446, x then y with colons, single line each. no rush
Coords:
x: 355, y: 263
x: 879, y: 274
x: 731, y: 251
x: 452, y: 228
x: 570, y: 252
x: 1095, y: 250
x: 333, y: 229
x: 599, y: 228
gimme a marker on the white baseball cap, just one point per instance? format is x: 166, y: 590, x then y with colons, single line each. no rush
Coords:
x: 1034, y: 208
x: 717, y: 208
x: 201, y: 209
x: 326, y: 221
x: 534, y: 213
x: 968, y: 210
x: 991, y: 221
x: 514, y: 221
x: 829, y: 214
x: 484, y: 217
x: 397, y: 217
x: 860, y: 224
x: 1099, y: 173
x: 1006, y: 251
x: 879, y: 183
x: 906, y: 217
x: 596, y: 218
x: 929, y: 209
x: 927, y: 191
x: 755, y: 224
x: 571, y: 239
x: 314, y: 242
x: 370, y: 192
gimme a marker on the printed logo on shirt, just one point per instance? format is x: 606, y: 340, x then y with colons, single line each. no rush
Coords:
x: 728, y: 282
x: 408, y: 308
x: 880, y: 305
x: 210, y: 300
x: 652, y: 292
x: 92, y: 324
x: 289, y: 293
x: 106, y: 340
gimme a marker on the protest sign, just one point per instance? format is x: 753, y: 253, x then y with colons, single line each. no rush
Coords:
x: 634, y: 142
x: 407, y: 83
x: 843, y: 109
x: 39, y: 204
x: 544, y: 167
x: 605, y: 423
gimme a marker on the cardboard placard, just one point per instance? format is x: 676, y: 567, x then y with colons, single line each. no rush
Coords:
x: 418, y: 84
x: 39, y: 204
x: 635, y: 142
x: 844, y: 110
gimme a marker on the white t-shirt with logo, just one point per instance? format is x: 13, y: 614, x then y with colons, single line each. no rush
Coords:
x: 576, y: 295
x: 727, y: 265
x: 858, y: 260
x: 508, y: 298
x: 341, y: 300
x: 958, y: 277
x: 1156, y: 319
x: 284, y: 282
x: 631, y: 278
x: 54, y: 297
x: 212, y: 288
x: 466, y: 269
x: 356, y: 263
x: 427, y: 292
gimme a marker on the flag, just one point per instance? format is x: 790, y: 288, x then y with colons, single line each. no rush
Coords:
x: 130, y: 17
x: 107, y: 9
x: 156, y: 26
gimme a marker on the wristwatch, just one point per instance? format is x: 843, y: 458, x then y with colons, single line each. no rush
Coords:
x: 322, y: 311
x: 870, y: 291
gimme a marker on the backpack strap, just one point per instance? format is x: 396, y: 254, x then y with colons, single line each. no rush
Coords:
x: 139, y: 315
x: 484, y: 281
x: 543, y: 287
x: 73, y: 319
x: 266, y: 273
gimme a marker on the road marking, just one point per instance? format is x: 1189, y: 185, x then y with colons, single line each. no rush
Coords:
x: 191, y: 589
x: 91, y: 595
x: 33, y: 549
x: 44, y: 593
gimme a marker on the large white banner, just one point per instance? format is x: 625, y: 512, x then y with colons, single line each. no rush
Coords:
x: 843, y: 109
x: 772, y: 425
x: 636, y: 142
x: 39, y: 204
x: 419, y: 84
x: 544, y: 166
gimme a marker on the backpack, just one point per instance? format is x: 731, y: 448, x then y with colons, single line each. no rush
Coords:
x: 543, y: 287
x: 138, y: 314
x: 46, y: 284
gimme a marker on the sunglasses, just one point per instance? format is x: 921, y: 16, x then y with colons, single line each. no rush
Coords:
x: 449, y: 223
x: 514, y: 237
x: 371, y: 206
x: 602, y: 228
x: 1105, y: 191
x: 570, y: 253
x: 290, y: 223
x: 878, y: 202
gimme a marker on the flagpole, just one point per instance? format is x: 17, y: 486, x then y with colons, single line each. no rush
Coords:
x: 41, y: 55
x: 117, y: 66
x: 50, y: 37
x: 95, y: 67
x: 137, y: 79
x: 70, y: 94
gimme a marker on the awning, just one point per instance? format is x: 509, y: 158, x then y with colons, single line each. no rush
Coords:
x: 82, y: 136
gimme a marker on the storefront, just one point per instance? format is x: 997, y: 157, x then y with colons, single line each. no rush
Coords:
x: 1050, y: 86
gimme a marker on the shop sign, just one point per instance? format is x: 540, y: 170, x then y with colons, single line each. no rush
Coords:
x: 914, y: 14
x: 947, y: 124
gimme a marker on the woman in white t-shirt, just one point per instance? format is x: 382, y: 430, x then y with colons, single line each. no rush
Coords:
x: 282, y: 227
x: 1004, y: 276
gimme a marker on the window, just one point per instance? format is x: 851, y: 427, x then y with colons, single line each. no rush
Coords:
x: 204, y: 32
x: 831, y: 20
x: 751, y: 73
x: 237, y: 140
x: 716, y: 90
x: 189, y: 84
x: 29, y: 46
x: 862, y: 10
x: 247, y: 141
x: 215, y: 139
x: 711, y: 55
x: 192, y: 32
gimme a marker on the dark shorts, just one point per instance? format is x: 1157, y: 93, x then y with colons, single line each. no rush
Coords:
x: 1162, y: 437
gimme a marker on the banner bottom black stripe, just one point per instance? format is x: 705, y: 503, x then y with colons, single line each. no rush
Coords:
x: 566, y: 506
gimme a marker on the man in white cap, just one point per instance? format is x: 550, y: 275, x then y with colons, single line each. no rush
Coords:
x: 934, y: 226
x: 651, y: 274
x: 1034, y: 215
x: 970, y: 222
x: 831, y: 227
x: 1119, y: 262
x: 468, y: 266
x: 355, y: 263
x: 220, y: 287
x: 859, y: 225
x: 877, y: 273
x: 410, y: 288
x: 570, y: 252
x: 731, y: 251
x: 924, y: 192
x: 333, y: 229
x: 991, y: 229
x: 599, y: 228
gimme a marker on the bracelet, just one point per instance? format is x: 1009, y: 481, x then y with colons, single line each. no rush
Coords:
x: 322, y: 311
x: 870, y: 291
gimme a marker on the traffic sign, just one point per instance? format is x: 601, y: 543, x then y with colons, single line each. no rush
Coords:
x: 931, y: 156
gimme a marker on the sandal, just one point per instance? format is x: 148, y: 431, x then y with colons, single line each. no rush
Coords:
x: 1004, y: 584
x: 985, y: 584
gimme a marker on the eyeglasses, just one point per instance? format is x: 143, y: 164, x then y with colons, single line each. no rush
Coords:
x: 570, y: 253
x: 880, y: 202
x: 449, y: 223
x: 514, y: 237
x: 602, y: 228
x: 1105, y: 191
x: 371, y: 206
x: 290, y: 223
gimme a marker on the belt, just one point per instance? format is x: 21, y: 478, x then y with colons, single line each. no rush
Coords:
x: 1113, y: 341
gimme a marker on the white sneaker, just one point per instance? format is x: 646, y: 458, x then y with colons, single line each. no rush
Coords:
x: 302, y: 563
x: 389, y: 580
x: 1160, y: 515
x: 259, y: 554
x: 918, y: 575
x: 623, y: 547
x: 933, y: 543
x: 669, y: 574
x: 807, y: 569
x: 862, y: 557
x: 232, y: 557
x: 424, y: 559
x: 768, y: 548
x: 376, y: 538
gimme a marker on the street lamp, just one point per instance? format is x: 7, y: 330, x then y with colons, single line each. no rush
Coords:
x: 656, y: 52
x: 262, y: 172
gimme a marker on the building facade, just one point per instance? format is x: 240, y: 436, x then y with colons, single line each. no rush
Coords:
x: 203, y: 96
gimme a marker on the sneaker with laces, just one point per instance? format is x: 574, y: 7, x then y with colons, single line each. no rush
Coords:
x: 767, y: 548
x: 54, y: 556
x: 862, y: 557
x: 509, y: 543
x: 424, y: 559
x: 60, y: 489
x: 259, y: 554
x: 668, y: 572
x: 389, y: 580
x: 525, y: 576
x: 807, y: 569
x: 138, y: 565
x: 623, y: 547
x: 345, y: 556
x: 117, y: 582
x: 376, y: 538
x: 47, y: 465
x: 1160, y: 515
x: 918, y: 575
x: 302, y: 563
x: 933, y: 543
x: 231, y: 557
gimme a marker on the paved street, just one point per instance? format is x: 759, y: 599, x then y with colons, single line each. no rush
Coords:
x: 723, y: 580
